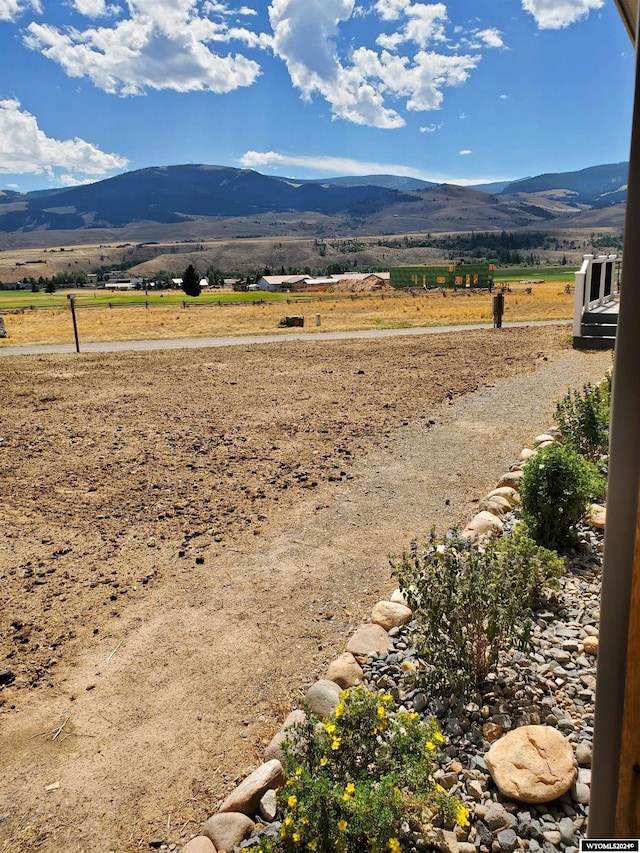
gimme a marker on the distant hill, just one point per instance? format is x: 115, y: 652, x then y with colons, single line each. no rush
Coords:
x: 597, y: 186
x: 391, y: 182
x: 177, y: 195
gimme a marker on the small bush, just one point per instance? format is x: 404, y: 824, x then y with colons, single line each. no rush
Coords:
x: 357, y: 778
x: 556, y: 488
x: 471, y: 602
x: 583, y: 419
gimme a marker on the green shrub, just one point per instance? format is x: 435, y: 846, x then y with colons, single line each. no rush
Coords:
x: 555, y: 489
x: 354, y: 780
x: 583, y: 420
x: 471, y: 602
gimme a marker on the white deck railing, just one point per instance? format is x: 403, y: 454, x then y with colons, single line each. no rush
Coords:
x: 596, y: 284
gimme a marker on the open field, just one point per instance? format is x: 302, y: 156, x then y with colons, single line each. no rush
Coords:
x: 187, y: 537
x: 547, y: 301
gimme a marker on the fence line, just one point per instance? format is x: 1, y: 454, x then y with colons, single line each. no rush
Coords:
x: 229, y: 303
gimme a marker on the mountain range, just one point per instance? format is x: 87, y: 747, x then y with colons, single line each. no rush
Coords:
x: 179, y: 194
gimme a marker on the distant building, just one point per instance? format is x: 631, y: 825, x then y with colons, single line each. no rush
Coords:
x: 276, y: 283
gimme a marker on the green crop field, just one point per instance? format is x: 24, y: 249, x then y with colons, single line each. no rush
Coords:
x: 86, y: 298
x: 564, y: 274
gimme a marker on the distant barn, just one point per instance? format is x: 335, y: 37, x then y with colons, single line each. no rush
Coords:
x: 449, y: 275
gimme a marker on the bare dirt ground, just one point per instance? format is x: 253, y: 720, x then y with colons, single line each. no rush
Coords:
x: 188, y: 537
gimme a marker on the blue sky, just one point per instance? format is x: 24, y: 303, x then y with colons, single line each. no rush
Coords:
x: 462, y: 91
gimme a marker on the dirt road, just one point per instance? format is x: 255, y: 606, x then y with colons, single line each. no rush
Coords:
x: 189, y: 537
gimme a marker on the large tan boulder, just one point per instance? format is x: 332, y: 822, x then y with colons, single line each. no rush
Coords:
x: 390, y: 615
x: 591, y: 645
x: 368, y: 638
x: 532, y: 764
x: 247, y: 795
x: 226, y: 831
x: 344, y: 670
x: 481, y: 524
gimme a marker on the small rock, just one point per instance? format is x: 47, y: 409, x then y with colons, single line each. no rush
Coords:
x: 543, y: 439
x: 481, y: 524
x: 496, y: 816
x: 583, y: 755
x: 390, y: 615
x: 525, y: 454
x: 596, y: 516
x: 506, y: 492
x: 510, y: 479
x: 445, y: 841
x: 508, y: 840
x: 368, y: 638
x: 322, y: 697
x: 398, y: 597
x: 345, y: 670
x: 247, y: 795
x: 581, y: 793
x: 226, y: 831
x: 199, y: 844
x: 590, y: 645
x: 268, y: 806
x: 552, y: 836
x: 274, y: 749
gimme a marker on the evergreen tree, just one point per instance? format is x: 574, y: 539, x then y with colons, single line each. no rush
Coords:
x: 191, y: 281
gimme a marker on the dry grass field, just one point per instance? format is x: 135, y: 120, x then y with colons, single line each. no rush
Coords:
x: 547, y: 301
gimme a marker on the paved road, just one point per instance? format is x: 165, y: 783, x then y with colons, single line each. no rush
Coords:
x: 246, y: 340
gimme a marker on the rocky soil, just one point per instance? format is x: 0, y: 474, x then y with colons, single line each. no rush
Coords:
x: 187, y: 538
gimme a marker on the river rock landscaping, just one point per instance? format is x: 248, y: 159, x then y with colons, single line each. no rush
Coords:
x: 515, y: 753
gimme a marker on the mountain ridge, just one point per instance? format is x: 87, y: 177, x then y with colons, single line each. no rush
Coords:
x: 182, y: 193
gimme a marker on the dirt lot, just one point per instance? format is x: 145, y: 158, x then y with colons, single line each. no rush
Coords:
x: 171, y: 557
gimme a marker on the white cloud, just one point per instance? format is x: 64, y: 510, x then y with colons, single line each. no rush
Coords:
x: 26, y: 149
x: 306, y: 37
x: 10, y: 9
x: 431, y: 128
x: 465, y: 151
x: 503, y: 97
x: 491, y: 37
x: 556, y: 14
x: 425, y: 23
x: 95, y: 8
x: 329, y: 166
x: 163, y: 44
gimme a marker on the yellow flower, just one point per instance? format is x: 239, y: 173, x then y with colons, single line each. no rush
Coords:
x: 323, y: 761
x: 346, y: 797
x: 298, y: 771
x: 342, y: 825
x: 295, y: 837
x: 394, y: 845
x: 462, y: 816
x: 387, y: 697
x: 430, y: 745
x: 292, y: 801
x: 312, y: 845
x: 344, y: 695
x: 350, y: 788
x: 335, y: 743
x: 304, y: 821
x: 330, y: 727
x: 381, y: 712
x: 437, y: 736
x: 440, y: 789
x: 414, y: 715
x: 339, y: 711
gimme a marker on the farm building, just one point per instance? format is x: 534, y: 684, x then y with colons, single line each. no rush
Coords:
x: 448, y: 275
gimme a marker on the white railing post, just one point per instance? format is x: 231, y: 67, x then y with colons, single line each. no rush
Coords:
x: 581, y: 294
